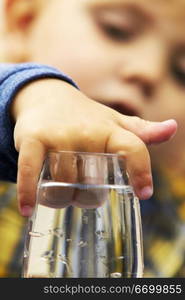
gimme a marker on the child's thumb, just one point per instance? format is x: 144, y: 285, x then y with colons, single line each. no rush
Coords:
x: 150, y: 132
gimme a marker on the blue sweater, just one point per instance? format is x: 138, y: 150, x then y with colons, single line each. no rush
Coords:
x: 12, y: 78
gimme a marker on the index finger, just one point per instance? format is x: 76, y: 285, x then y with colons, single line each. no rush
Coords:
x: 30, y: 161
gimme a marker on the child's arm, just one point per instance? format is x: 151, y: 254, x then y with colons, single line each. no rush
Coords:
x: 52, y: 114
x: 12, y: 78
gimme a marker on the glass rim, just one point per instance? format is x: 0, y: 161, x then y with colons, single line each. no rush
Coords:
x: 106, y: 154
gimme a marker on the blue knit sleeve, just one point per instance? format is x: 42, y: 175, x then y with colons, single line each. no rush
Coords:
x: 12, y: 78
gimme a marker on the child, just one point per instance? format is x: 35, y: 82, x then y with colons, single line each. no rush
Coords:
x: 128, y: 56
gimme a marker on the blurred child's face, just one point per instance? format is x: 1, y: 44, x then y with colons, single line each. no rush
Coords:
x: 127, y: 54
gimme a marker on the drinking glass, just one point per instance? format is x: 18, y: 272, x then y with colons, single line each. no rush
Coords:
x: 86, y: 222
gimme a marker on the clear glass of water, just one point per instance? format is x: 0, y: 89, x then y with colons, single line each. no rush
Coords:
x: 86, y: 222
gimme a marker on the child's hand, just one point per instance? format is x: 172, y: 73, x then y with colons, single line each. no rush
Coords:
x: 53, y: 115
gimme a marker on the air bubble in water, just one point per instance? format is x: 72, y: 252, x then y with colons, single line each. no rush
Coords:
x: 36, y: 234
x: 103, y: 235
x: 65, y: 261
x: 68, y: 240
x: 58, y: 232
x: 82, y: 244
x: 25, y: 254
x: 62, y: 258
x: 115, y: 275
x: 48, y: 256
x: 120, y: 257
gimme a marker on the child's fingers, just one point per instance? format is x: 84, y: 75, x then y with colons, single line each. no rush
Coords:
x: 150, y: 132
x: 137, y: 160
x: 91, y: 170
x: 63, y: 172
x: 31, y: 157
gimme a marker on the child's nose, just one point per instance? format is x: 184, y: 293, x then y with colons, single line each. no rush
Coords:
x: 144, y: 65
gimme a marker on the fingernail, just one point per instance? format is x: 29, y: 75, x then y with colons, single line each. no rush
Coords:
x: 146, y: 193
x: 168, y: 122
x: 26, y: 210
